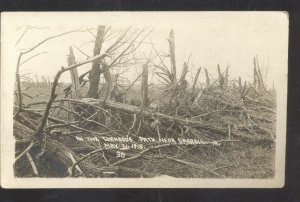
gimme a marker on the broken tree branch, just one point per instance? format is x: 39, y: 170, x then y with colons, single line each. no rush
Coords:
x: 171, y: 41
x: 196, y: 78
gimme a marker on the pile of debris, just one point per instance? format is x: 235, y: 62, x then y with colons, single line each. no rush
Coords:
x: 91, y: 137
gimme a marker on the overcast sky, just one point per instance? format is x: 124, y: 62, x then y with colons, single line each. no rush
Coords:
x: 225, y: 38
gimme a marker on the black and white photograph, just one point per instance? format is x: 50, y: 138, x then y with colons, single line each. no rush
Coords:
x: 143, y: 99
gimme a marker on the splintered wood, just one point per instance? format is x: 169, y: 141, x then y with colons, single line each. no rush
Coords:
x: 110, y: 138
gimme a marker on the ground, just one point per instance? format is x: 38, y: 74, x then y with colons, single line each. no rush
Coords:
x: 233, y: 159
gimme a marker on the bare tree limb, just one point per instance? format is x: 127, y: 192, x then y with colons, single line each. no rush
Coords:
x: 33, y: 57
x: 24, y: 152
x: 33, y: 166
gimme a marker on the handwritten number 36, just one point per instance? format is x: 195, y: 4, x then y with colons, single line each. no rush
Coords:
x: 120, y: 154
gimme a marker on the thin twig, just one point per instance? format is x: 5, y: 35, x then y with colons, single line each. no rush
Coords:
x: 197, y: 166
x: 24, y: 152
x: 33, y: 166
x: 32, y: 57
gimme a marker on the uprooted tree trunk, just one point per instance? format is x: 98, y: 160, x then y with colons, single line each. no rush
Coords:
x: 94, y: 76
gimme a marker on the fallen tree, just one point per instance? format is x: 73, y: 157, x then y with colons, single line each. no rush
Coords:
x: 107, y: 138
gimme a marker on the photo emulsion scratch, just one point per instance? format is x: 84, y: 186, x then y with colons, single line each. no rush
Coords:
x: 143, y: 99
